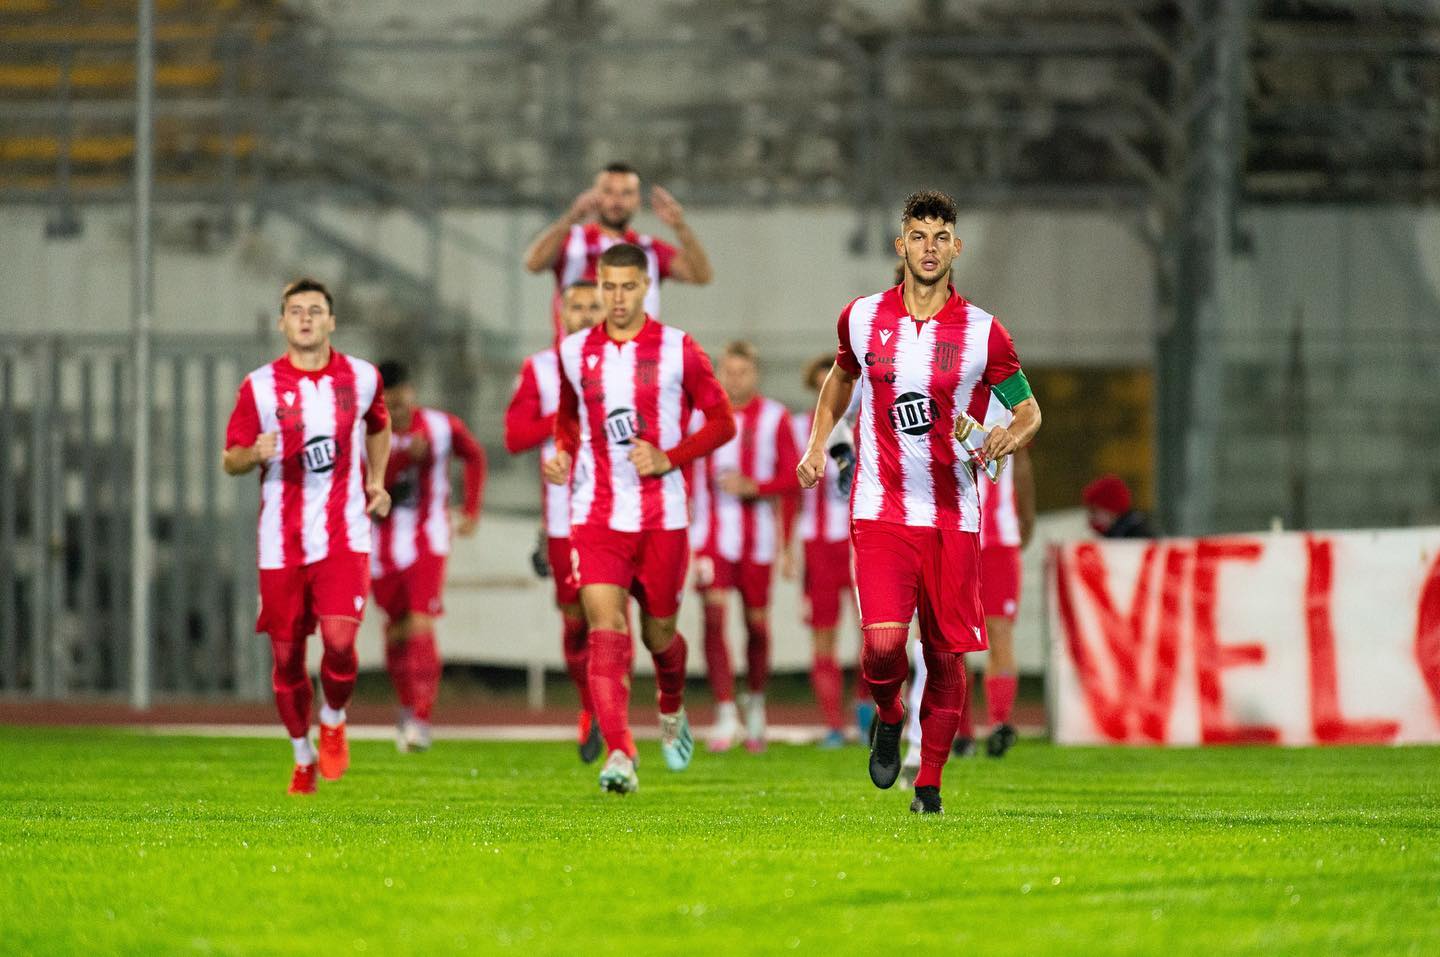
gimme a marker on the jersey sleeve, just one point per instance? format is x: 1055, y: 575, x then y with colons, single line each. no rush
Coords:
x: 562, y: 259
x: 699, y: 380
x: 845, y: 352
x: 1001, y: 362
x: 377, y: 417
x: 244, y: 426
x: 664, y: 257
x: 525, y: 427
x: 567, y: 418
x: 472, y: 455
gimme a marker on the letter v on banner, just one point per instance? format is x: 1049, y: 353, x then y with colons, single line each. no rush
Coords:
x: 1328, y: 725
x: 1427, y: 634
x: 1130, y: 708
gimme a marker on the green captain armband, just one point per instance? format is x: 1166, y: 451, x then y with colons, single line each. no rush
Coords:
x: 1013, y: 390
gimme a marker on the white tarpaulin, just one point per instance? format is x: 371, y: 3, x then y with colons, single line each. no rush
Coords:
x: 1289, y: 638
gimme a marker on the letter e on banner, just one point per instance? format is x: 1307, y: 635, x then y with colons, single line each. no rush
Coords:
x: 1211, y: 657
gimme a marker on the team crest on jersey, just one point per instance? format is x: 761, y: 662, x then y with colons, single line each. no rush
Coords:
x: 946, y: 355
x: 913, y: 413
x: 647, y: 371
x: 622, y: 426
x: 319, y: 454
x: 345, y: 398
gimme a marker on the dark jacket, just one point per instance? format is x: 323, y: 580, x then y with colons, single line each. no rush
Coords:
x: 1133, y: 524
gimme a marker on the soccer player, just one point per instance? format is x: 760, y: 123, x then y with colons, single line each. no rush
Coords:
x: 627, y: 390
x: 314, y: 421
x: 734, y: 533
x: 922, y: 355
x: 530, y: 422
x: 598, y: 219
x: 824, y: 534
x: 413, y: 541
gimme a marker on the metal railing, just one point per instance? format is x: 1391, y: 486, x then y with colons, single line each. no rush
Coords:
x: 67, y: 439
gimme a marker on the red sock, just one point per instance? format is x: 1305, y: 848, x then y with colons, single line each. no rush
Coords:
x: 397, y: 664
x: 611, y: 654
x: 828, y: 683
x: 939, y: 712
x: 339, y: 664
x: 883, y: 666
x: 293, y: 690
x: 670, y: 674
x: 757, y: 655
x: 1000, y: 697
x: 862, y: 689
x: 424, y: 672
x: 717, y: 655
x: 967, y: 724
x: 577, y: 659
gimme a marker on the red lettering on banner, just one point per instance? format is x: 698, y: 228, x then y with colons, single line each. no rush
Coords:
x: 1211, y: 657
x: 1427, y: 634
x: 1130, y: 706
x: 1328, y: 725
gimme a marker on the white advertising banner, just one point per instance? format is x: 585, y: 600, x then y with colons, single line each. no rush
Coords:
x: 1287, y: 638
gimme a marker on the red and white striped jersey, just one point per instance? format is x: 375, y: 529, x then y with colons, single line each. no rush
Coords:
x: 581, y: 253
x: 999, y: 518
x: 419, y: 519
x: 824, y: 509
x: 914, y: 378
x: 530, y: 422
x: 611, y: 394
x: 312, y: 492
x: 762, y: 450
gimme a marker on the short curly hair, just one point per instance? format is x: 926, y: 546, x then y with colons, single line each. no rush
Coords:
x: 928, y: 204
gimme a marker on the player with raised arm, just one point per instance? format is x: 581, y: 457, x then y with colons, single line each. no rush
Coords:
x: 530, y: 423
x: 315, y: 424
x: 413, y: 542
x: 824, y: 535
x: 600, y: 218
x: 923, y: 356
x: 627, y: 390
x: 735, y: 533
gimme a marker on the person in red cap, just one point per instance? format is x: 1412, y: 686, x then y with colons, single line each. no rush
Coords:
x: 1108, y: 509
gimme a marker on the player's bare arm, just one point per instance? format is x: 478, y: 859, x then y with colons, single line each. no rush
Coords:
x: 545, y: 249
x: 834, y: 400
x: 557, y: 470
x: 377, y: 457
x: 1001, y: 441
x: 738, y: 485
x: 241, y: 459
x: 691, y: 263
x: 1025, y: 494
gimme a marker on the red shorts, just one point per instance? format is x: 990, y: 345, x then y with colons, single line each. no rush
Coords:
x: 562, y: 569
x: 827, y: 577
x: 901, y: 569
x: 751, y: 579
x: 1000, y: 581
x: 293, y: 600
x: 414, y: 589
x: 650, y: 565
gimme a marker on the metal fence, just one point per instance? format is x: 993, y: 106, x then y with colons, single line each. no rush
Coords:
x: 66, y: 445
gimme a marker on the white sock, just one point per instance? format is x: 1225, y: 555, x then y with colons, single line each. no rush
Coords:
x: 304, y: 754
x: 725, y: 711
x: 331, y: 716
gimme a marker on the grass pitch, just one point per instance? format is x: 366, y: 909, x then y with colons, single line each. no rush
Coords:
x: 113, y: 842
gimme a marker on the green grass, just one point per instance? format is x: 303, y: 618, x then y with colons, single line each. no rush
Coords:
x: 112, y: 842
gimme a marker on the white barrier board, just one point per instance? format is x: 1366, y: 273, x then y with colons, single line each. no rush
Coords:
x: 1289, y: 638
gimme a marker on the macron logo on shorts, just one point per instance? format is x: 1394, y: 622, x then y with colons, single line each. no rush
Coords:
x: 359, y: 602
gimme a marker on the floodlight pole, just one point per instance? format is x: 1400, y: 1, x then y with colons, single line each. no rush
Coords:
x: 142, y: 283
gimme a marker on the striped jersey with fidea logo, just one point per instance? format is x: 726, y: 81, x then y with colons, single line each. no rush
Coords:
x: 312, y: 492
x: 644, y: 389
x: 762, y: 450
x: 915, y: 377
